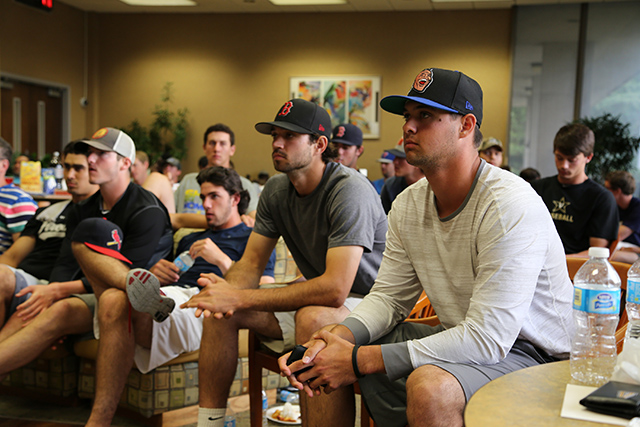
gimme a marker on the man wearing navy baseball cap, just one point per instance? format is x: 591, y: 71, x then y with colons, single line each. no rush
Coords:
x: 464, y: 236
x: 332, y: 222
x: 347, y: 142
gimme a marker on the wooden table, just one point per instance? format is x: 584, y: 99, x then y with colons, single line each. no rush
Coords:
x: 528, y: 397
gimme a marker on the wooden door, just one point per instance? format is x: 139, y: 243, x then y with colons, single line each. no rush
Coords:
x: 31, y: 117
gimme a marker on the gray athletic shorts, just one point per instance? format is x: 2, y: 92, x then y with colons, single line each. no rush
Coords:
x: 23, y: 279
x: 386, y: 401
x: 286, y: 320
x: 90, y: 301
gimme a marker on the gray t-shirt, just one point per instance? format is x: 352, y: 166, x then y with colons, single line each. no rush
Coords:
x: 344, y: 210
x: 187, y: 196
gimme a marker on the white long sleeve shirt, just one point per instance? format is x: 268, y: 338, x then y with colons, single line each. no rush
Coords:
x: 494, y: 270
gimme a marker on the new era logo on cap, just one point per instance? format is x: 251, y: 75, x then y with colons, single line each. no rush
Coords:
x: 446, y: 90
x: 299, y: 115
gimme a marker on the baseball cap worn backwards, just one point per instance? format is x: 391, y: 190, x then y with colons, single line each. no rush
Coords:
x: 347, y: 134
x: 110, y: 139
x: 446, y: 90
x: 299, y: 115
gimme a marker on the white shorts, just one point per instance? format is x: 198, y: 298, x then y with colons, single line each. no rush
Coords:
x: 179, y: 333
x: 286, y: 320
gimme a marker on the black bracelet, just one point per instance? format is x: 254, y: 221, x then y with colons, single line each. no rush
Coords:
x: 354, y: 361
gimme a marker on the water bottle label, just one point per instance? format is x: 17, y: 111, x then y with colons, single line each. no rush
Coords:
x: 183, y: 262
x: 633, y: 291
x: 596, y: 301
x: 230, y: 423
x: 181, y: 265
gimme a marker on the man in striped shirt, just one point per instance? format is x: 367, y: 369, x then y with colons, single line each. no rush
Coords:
x: 16, y: 206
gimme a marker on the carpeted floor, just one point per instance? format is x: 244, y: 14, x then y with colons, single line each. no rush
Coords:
x: 16, y: 407
x: 22, y: 408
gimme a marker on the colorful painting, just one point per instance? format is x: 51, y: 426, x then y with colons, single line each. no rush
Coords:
x: 347, y: 99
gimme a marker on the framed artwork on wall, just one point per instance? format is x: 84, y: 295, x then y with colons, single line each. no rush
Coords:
x: 348, y: 99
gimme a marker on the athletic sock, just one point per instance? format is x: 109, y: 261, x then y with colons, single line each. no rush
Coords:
x: 211, y: 417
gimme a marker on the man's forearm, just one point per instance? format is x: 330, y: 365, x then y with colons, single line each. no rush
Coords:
x: 370, y: 361
x: 243, y: 275
x: 65, y: 289
x: 292, y: 297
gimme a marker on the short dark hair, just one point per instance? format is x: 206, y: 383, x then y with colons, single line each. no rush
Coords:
x: 76, y: 147
x: 477, y: 136
x: 529, y: 174
x: 229, y: 180
x: 220, y: 127
x: 329, y: 154
x: 6, y: 151
x: 621, y: 180
x: 203, y: 162
x: 573, y: 139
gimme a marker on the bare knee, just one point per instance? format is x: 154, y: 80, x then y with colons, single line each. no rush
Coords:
x: 112, y: 305
x: 434, y: 398
x: 66, y: 316
x: 7, y: 283
x: 311, y: 318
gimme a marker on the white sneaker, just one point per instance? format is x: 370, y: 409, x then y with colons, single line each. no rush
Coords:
x: 143, y: 290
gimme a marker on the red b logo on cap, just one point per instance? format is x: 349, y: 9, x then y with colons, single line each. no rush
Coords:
x: 341, y: 131
x: 286, y: 109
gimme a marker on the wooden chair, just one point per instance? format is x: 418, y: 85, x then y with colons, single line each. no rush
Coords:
x: 260, y: 358
x: 574, y: 264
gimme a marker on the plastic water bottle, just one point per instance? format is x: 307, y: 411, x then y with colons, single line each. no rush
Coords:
x: 289, y: 394
x: 58, y: 170
x: 596, y: 308
x: 265, y: 405
x: 633, y: 302
x: 229, y: 417
x: 184, y: 262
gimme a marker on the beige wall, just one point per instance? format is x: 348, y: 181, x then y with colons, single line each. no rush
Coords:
x: 235, y: 69
x: 48, y: 48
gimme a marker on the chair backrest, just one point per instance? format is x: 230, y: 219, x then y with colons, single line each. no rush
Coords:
x: 423, y: 312
x: 574, y: 264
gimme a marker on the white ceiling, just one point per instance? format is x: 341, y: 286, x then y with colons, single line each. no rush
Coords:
x: 264, y: 6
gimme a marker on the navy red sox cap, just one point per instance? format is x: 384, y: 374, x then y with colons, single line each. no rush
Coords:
x: 100, y: 235
x: 347, y: 134
x: 299, y: 115
x: 446, y: 90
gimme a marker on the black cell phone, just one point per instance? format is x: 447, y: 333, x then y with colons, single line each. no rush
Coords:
x: 296, y: 354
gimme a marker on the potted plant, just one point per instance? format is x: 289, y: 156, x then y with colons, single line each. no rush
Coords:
x: 167, y: 133
x: 615, y: 147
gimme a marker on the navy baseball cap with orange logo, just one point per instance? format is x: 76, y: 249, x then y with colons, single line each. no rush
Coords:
x: 100, y: 235
x: 299, y: 115
x: 446, y: 90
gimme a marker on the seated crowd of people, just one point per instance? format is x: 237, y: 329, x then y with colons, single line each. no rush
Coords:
x: 487, y: 247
